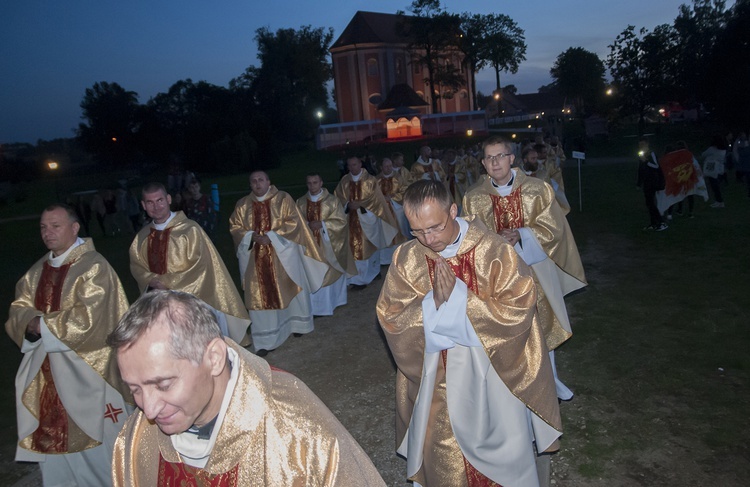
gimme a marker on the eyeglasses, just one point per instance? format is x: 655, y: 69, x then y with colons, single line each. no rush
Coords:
x: 496, y: 158
x: 431, y: 230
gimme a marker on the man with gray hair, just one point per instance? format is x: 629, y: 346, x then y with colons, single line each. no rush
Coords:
x: 211, y: 409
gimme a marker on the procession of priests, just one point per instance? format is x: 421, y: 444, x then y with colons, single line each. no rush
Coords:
x: 173, y: 389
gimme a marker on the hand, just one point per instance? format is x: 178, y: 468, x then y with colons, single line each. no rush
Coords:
x: 157, y: 284
x: 445, y: 281
x: 512, y: 236
x: 261, y: 239
x: 354, y: 205
x: 34, y: 326
x: 315, y: 225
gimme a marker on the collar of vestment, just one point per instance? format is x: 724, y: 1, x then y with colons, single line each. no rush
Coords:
x: 316, y: 197
x: 162, y: 226
x: 452, y: 249
x: 58, y: 261
x: 272, y: 191
x: 75, y: 251
x: 475, y: 230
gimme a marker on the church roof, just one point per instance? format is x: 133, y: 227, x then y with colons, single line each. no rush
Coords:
x: 372, y: 27
x: 402, y: 95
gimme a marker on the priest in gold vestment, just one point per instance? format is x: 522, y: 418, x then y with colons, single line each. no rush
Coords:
x: 213, y: 414
x: 372, y: 226
x: 425, y: 167
x: 70, y: 400
x: 393, y: 189
x: 328, y: 223
x: 280, y: 263
x: 474, y: 386
x: 524, y: 211
x: 174, y: 252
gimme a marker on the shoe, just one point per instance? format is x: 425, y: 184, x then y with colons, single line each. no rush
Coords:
x: 262, y: 352
x: 378, y: 277
x: 691, y: 216
x: 650, y: 227
x: 297, y: 335
x: 662, y: 226
x: 357, y: 287
x: 718, y: 205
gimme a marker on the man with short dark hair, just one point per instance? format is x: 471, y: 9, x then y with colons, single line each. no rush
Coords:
x: 523, y: 210
x: 173, y: 252
x: 474, y: 385
x: 280, y: 264
x: 372, y: 226
x: 327, y: 221
x: 211, y: 413
x: 70, y: 400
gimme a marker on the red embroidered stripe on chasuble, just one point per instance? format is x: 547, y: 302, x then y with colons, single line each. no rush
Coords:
x: 508, y: 211
x: 158, y: 248
x: 264, y: 257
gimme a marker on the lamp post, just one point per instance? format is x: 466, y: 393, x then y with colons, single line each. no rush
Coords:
x: 496, y: 96
x: 319, y: 114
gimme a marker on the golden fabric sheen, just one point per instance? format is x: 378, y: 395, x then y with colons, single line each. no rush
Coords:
x: 332, y: 213
x: 193, y: 266
x: 392, y: 187
x: 418, y: 170
x: 286, y: 222
x: 276, y: 432
x: 503, y: 316
x: 92, y: 301
x: 404, y: 176
x: 371, y: 199
x: 544, y: 217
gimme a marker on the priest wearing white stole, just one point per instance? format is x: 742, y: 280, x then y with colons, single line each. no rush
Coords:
x: 475, y: 395
x: 280, y: 263
x: 524, y: 211
x: 328, y: 223
x: 70, y: 400
x: 372, y: 226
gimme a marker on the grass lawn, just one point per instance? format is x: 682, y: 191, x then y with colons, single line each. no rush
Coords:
x: 659, y: 359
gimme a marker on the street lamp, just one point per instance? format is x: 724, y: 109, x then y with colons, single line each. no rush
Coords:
x: 54, y: 167
x: 496, y: 96
x: 319, y: 114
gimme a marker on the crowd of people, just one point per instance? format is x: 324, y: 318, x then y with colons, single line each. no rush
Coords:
x: 678, y: 176
x: 480, y: 259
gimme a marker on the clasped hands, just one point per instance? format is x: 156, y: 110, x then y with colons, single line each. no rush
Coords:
x: 512, y: 236
x: 445, y: 281
x: 261, y: 239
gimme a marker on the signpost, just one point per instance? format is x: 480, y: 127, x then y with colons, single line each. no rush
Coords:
x: 579, y: 156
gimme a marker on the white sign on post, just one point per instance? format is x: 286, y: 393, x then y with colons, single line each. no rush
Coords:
x: 580, y: 156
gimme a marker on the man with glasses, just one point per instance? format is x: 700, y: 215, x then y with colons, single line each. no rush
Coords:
x: 474, y: 386
x: 523, y: 210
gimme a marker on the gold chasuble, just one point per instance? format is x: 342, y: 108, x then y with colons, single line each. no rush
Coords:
x: 367, y: 192
x: 531, y: 204
x: 392, y: 187
x: 328, y: 209
x: 500, y: 306
x: 267, y: 285
x: 432, y: 170
x: 275, y: 432
x: 183, y: 258
x: 81, y: 302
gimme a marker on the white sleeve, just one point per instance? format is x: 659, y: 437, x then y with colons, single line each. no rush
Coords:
x: 448, y: 325
x: 50, y: 341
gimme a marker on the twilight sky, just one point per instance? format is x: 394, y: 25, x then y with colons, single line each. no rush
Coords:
x: 51, y: 51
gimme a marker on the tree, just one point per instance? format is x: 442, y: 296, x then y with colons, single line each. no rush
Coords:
x: 579, y: 75
x: 110, y: 111
x: 643, y: 68
x: 290, y: 84
x: 697, y: 29
x: 434, y: 35
x: 503, y: 45
x: 726, y: 87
